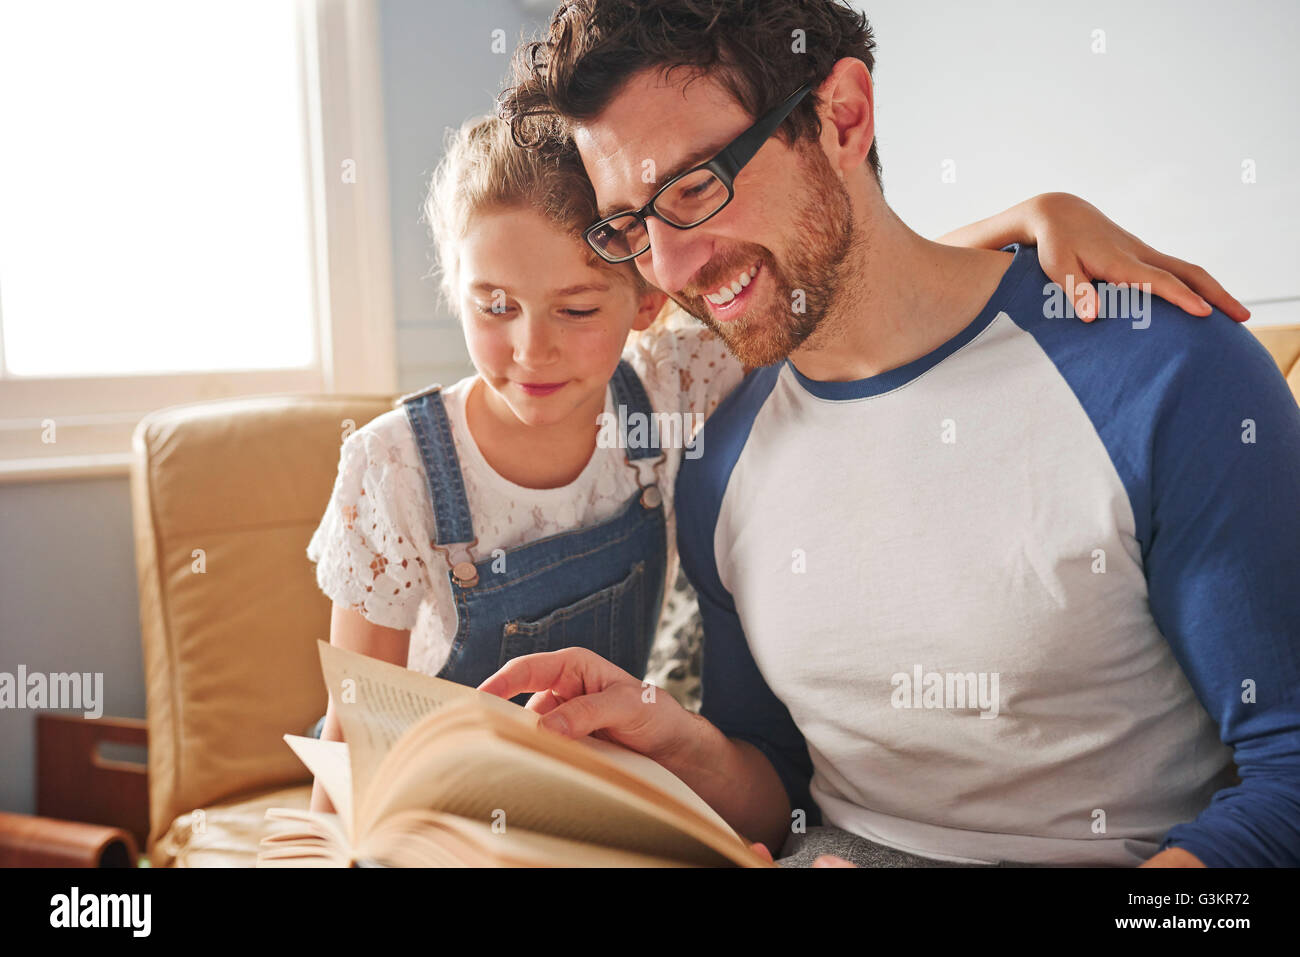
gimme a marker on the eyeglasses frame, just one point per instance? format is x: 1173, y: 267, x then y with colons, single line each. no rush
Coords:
x: 725, y: 165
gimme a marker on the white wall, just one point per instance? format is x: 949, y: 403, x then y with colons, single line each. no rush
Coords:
x: 1153, y: 131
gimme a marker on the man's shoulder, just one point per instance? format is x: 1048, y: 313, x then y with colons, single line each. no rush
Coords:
x: 1137, y: 338
x: 1175, y: 399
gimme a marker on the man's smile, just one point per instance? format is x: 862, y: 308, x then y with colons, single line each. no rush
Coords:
x: 731, y: 300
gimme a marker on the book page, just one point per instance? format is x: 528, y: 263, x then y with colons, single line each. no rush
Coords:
x: 376, y: 701
x: 472, y: 773
x: 476, y: 763
x: 379, y: 703
x: 657, y: 776
x: 328, y: 761
x: 434, y: 839
x: 303, y: 839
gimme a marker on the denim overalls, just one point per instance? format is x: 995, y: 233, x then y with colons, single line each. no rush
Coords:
x: 598, y: 587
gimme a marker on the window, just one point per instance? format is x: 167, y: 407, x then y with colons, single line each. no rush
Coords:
x: 192, y: 206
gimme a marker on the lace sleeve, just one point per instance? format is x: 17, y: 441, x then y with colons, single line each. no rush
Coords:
x: 363, y: 549
x: 681, y: 355
x: 708, y: 370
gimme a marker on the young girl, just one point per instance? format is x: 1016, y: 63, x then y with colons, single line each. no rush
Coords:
x: 505, y: 515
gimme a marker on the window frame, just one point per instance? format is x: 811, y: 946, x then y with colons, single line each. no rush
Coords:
x: 94, y: 417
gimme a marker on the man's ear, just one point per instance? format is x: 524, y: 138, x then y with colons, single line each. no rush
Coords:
x: 651, y: 304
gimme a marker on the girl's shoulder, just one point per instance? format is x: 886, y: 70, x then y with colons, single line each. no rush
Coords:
x: 392, y: 431
x: 673, y: 328
x: 685, y: 366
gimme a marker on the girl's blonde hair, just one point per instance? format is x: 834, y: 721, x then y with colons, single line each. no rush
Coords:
x: 483, y: 170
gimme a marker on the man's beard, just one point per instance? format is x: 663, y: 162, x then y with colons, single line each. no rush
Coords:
x: 822, y: 236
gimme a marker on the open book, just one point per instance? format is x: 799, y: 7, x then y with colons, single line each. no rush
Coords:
x: 437, y: 774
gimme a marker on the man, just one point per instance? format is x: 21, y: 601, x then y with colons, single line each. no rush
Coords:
x: 980, y: 584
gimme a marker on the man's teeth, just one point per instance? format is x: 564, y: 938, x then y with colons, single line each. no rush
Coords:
x: 728, y: 293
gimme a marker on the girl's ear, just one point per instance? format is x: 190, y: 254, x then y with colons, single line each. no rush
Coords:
x: 651, y: 304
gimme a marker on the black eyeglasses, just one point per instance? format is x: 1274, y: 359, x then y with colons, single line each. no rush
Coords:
x: 689, y: 198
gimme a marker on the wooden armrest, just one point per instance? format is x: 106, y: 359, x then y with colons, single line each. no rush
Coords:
x: 27, y: 841
x: 75, y: 782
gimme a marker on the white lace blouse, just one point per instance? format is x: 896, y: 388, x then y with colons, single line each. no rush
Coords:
x: 373, y: 548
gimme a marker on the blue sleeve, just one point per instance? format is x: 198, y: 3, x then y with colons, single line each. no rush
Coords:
x: 1205, y: 435
x: 734, y: 696
x: 1222, y: 562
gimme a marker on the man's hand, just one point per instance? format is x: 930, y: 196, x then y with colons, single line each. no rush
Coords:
x: 826, y: 860
x: 580, y: 693
x: 1173, y: 857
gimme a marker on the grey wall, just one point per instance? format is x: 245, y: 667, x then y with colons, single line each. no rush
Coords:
x: 67, y: 603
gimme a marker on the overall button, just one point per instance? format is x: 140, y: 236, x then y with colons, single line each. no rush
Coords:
x: 651, y: 497
x: 466, y: 574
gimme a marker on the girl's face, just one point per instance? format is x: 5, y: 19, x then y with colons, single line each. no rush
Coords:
x: 545, y: 326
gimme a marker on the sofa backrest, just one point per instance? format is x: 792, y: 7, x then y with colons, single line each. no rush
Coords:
x: 1283, y: 342
x: 225, y: 497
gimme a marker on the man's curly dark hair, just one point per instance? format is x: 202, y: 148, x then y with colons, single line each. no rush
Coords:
x: 759, y: 50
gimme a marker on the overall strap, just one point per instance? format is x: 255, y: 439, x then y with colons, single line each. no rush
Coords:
x: 428, y: 417
x: 634, y: 409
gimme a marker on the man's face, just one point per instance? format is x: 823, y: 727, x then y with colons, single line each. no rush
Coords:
x: 791, y: 216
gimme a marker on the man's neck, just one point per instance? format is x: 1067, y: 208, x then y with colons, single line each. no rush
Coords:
x: 901, y: 296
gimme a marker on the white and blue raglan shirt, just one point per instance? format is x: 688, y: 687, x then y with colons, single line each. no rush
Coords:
x: 1026, y: 598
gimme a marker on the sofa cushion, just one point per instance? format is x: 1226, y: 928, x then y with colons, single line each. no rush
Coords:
x: 226, y: 835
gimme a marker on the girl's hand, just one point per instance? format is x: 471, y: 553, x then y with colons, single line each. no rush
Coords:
x: 1078, y: 245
